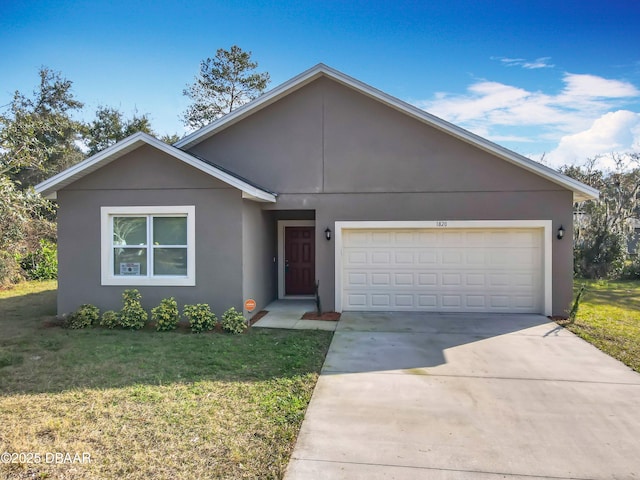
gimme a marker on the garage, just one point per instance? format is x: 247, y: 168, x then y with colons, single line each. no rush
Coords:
x: 455, y: 267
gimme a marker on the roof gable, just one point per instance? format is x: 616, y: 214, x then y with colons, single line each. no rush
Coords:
x: 50, y: 187
x: 580, y: 190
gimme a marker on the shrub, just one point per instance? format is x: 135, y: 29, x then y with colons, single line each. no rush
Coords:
x: 132, y: 314
x: 631, y: 270
x: 41, y: 264
x: 573, y: 313
x: 25, y: 218
x: 110, y: 319
x: 166, y: 314
x: 10, y: 271
x: 200, y: 317
x: 85, y: 316
x: 233, y: 321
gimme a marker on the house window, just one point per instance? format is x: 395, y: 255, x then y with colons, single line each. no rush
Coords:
x: 148, y: 245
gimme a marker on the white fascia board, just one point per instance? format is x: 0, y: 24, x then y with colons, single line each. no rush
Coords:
x: 61, y: 180
x: 580, y: 191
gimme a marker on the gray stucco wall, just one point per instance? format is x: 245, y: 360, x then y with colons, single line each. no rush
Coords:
x: 147, y: 177
x: 259, y: 251
x: 555, y: 206
x: 348, y: 157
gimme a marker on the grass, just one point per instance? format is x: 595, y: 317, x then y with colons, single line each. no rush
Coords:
x: 609, y: 318
x: 148, y: 404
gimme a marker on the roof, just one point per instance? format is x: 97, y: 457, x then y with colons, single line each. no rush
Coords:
x: 249, y: 190
x: 580, y: 190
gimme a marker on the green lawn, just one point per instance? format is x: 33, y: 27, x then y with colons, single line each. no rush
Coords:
x: 144, y: 404
x: 609, y: 318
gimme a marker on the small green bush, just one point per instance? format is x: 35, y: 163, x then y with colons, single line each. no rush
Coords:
x: 84, y: 317
x: 132, y: 314
x: 200, y: 317
x: 166, y: 315
x: 233, y: 321
x: 41, y: 264
x: 110, y: 319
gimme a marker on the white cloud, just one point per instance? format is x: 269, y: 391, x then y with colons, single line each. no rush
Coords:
x: 617, y: 132
x: 542, y: 62
x: 596, y: 87
x: 586, y: 118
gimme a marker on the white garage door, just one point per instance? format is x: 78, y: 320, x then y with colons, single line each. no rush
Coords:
x: 444, y: 270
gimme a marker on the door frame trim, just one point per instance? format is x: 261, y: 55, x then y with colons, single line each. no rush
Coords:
x: 282, y: 224
x: 547, y: 243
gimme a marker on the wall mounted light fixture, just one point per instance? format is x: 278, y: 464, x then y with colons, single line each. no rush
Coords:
x: 560, y: 232
x: 327, y: 234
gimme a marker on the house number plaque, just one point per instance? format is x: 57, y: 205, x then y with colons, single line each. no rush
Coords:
x: 441, y: 223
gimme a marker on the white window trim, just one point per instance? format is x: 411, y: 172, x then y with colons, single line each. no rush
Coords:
x: 106, y: 250
x: 545, y: 225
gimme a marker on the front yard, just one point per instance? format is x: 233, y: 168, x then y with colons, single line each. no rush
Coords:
x: 142, y: 404
x: 609, y: 318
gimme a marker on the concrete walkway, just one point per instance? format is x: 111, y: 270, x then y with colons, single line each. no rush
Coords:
x: 288, y: 314
x: 408, y: 396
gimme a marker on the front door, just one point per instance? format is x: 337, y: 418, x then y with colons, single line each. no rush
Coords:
x: 299, y: 260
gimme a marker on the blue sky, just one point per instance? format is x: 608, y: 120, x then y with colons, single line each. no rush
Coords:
x: 560, y: 78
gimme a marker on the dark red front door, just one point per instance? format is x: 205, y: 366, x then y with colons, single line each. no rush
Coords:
x: 299, y: 260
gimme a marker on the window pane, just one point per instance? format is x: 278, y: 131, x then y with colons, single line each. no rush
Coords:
x: 129, y: 231
x: 170, y: 261
x: 170, y: 230
x: 130, y: 261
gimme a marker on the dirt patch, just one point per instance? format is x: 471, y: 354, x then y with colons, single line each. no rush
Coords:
x: 328, y: 316
x: 53, y: 321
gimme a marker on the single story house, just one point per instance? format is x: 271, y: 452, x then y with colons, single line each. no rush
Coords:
x: 326, y: 180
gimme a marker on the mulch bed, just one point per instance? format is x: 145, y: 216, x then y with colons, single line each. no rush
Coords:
x: 257, y: 316
x: 328, y: 316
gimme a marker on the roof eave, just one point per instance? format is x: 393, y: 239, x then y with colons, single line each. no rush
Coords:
x: 580, y: 191
x: 49, y: 187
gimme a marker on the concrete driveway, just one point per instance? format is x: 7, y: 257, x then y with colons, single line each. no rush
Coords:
x: 452, y: 396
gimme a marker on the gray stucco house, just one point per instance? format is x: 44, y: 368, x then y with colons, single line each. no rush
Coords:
x: 322, y: 179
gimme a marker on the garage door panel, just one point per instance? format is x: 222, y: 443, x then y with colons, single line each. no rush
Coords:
x: 451, y: 279
x: 383, y: 279
x: 356, y: 301
x: 404, y: 279
x: 357, y: 279
x: 381, y: 258
x: 427, y: 279
x: 475, y: 301
x: 435, y: 270
x: 427, y: 257
x: 524, y: 302
x: 356, y: 258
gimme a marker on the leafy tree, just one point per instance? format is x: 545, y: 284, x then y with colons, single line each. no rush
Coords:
x: 37, y: 134
x: 25, y: 219
x: 110, y: 127
x: 170, y: 139
x: 602, y: 228
x: 225, y: 82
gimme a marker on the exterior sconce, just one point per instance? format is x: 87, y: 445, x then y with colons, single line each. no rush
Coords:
x: 560, y: 232
x: 327, y: 234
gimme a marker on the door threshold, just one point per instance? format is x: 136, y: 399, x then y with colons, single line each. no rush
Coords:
x: 298, y: 297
